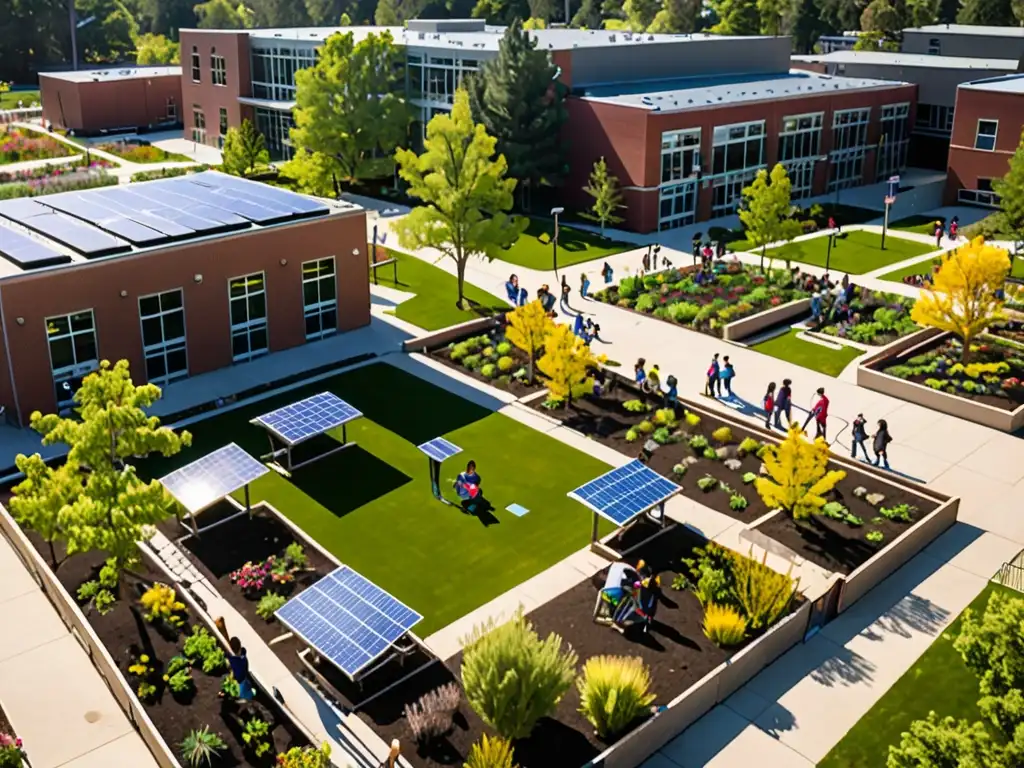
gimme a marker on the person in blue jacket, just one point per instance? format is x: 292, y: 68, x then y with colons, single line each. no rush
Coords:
x: 726, y: 375
x: 784, y: 403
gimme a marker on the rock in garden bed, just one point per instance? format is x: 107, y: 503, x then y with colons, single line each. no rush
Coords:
x: 490, y: 359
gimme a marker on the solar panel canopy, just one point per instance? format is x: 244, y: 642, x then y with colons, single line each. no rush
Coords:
x: 308, y: 418
x: 348, y: 619
x: 208, y: 480
x: 625, y: 492
x: 439, y: 449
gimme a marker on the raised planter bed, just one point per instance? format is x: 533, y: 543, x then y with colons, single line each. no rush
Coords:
x: 832, y: 544
x: 877, y: 319
x: 487, y: 357
x: 10, y: 744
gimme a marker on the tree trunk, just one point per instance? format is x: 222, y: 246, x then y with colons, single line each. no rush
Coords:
x: 763, y: 247
x: 965, y: 356
x: 460, y: 268
x: 53, y: 554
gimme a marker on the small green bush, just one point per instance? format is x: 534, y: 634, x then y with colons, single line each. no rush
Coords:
x: 636, y: 406
x: 737, y: 502
x: 472, y: 362
x: 834, y: 510
x: 722, y: 435
x: 201, y: 645
x: 679, y: 469
x: 707, y: 483
x: 490, y: 753
x: 489, y: 370
x: 723, y: 625
x: 710, y: 454
x: 503, y: 348
x: 853, y: 521
x: 614, y: 691
x: 458, y: 351
x: 874, y: 536
x: 201, y: 747
x: 630, y: 287
x: 645, y: 427
x: 268, y: 605
x: 632, y: 436
x: 644, y: 303
x: 665, y: 417
x: 749, y: 477
x: 901, y: 512
x: 662, y: 436
x: 748, y: 445
x: 692, y: 420
x: 698, y: 442
x: 506, y: 364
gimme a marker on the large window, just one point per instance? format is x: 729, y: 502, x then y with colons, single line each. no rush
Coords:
x: 737, y: 154
x: 172, y: 109
x: 198, y: 125
x: 163, y: 336
x: 223, y: 127
x: 247, y: 296
x: 983, y: 195
x: 436, y: 78
x: 799, y: 150
x: 196, y: 76
x: 319, y: 298
x: 895, y: 140
x: 275, y: 127
x: 934, y: 118
x: 73, y: 352
x: 218, y: 69
x: 274, y: 68
x: 986, y: 136
x: 849, y: 147
x: 680, y: 163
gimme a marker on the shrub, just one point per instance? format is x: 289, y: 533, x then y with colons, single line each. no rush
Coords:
x: 901, y: 512
x: 268, y: 605
x: 722, y: 435
x: 256, y: 736
x: 430, y: 716
x: 692, y: 420
x: 874, y: 536
x: 748, y: 445
x: 488, y: 352
x: 506, y: 364
x: 180, y: 681
x: 662, y: 435
x: 683, y: 311
x: 489, y: 370
x: 710, y: 573
x: 630, y: 287
x: 763, y: 594
x: 679, y: 469
x: 723, y: 625
x: 798, y: 475
x: 458, y: 351
x: 644, y: 303
x: 710, y: 453
x: 230, y: 687
x: 614, y: 692
x: 201, y: 746
x: 306, y: 757
x: 737, y: 502
x: 834, y: 510
x: 161, y: 604
x: 665, y: 417
x: 707, y: 483
x: 512, y: 678
x: 749, y: 477
x: 636, y: 406
x: 201, y: 645
x: 645, y: 427
x: 698, y: 442
x: 490, y: 753
x: 632, y: 435
x: 853, y: 521
x: 165, y: 173
x: 503, y: 348
x: 472, y: 362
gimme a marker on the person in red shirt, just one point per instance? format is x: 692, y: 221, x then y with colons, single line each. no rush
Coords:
x: 769, y: 405
x: 819, y: 412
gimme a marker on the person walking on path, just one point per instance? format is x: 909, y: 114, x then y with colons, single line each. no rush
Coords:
x: 938, y: 234
x: 639, y: 374
x: 819, y: 412
x: 584, y: 284
x: 566, y: 290
x: 607, y: 272
x: 769, y: 405
x: 954, y: 227
x: 671, y: 393
x: 645, y: 262
x: 726, y: 375
x: 784, y: 403
x: 714, y: 385
x: 860, y: 436
x: 881, y: 443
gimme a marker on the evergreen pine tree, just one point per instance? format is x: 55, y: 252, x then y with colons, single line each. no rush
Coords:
x: 1010, y: 189
x: 517, y: 99
x: 996, y: 13
x: 245, y: 150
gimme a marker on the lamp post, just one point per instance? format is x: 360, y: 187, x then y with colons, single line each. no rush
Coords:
x: 554, y: 240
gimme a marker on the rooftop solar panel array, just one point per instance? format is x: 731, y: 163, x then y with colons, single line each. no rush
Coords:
x: 26, y: 253
x: 308, y: 418
x: 110, y: 220
x: 625, y: 492
x: 348, y: 619
x: 216, y: 475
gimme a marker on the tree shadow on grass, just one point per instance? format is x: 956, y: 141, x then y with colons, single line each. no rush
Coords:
x: 348, y: 480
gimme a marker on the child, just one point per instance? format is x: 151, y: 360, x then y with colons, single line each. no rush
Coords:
x: 726, y: 375
x: 713, y: 385
x: 881, y: 443
x: 860, y: 436
x: 769, y: 405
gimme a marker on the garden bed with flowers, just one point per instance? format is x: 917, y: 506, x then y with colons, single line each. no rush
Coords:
x: 54, y: 170
x: 72, y: 181
x: 178, y: 669
x: 141, y: 153
x: 18, y: 145
x: 704, y: 302
x: 491, y: 359
x: 875, y: 318
x: 12, y: 752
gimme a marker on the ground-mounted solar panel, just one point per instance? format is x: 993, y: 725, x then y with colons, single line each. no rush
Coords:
x: 625, y: 492
x: 439, y: 449
x: 347, y: 619
x: 308, y: 418
x: 26, y: 253
x: 208, y: 480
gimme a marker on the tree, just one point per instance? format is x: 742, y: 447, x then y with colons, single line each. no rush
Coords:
x: 245, y: 150
x: 640, y: 13
x: 528, y: 327
x: 962, y: 298
x: 567, y: 364
x: 156, y: 49
x: 221, y: 14
x: 604, y: 188
x: 798, y: 475
x: 1017, y: 6
x: 312, y: 173
x: 501, y: 12
x: 463, y: 186
x: 386, y: 14
x: 278, y: 13
x: 996, y: 13
x: 771, y: 12
x: 350, y: 107
x: 875, y: 41
x: 920, y: 13
x: 344, y: 20
x: 736, y: 17
x: 112, y: 506
x: 42, y: 501
x: 588, y: 16
x: 516, y: 99
x: 534, y: 23
x: 1010, y: 189
x: 881, y: 16
x: 946, y: 743
x: 676, y: 17
x: 993, y: 649
x: 766, y: 209
x: 804, y: 21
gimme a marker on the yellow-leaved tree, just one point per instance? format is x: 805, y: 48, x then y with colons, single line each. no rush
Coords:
x: 567, y: 364
x: 527, y: 328
x: 798, y: 475
x: 963, y: 298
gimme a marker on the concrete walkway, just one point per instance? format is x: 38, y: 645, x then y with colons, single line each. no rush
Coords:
x: 50, y: 691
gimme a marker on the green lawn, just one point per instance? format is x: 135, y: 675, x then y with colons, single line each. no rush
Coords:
x: 433, y: 306
x: 922, y: 225
x: 533, y: 249
x: 855, y: 252
x: 845, y: 215
x: 372, y: 507
x: 938, y: 681
x: 10, y: 99
x: 808, y: 354
x: 919, y: 268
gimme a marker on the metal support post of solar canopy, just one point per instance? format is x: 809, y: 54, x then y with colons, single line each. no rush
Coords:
x: 286, y: 451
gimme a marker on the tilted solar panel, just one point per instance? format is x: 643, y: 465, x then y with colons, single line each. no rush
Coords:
x: 83, y: 238
x: 214, y: 476
x: 292, y: 201
x: 439, y: 449
x: 310, y: 417
x: 26, y: 253
x: 202, y: 193
x: 93, y: 213
x: 625, y: 492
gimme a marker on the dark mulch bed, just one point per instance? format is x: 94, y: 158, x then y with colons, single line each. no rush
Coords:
x: 516, y: 387
x: 675, y: 650
x: 829, y: 543
x: 126, y: 635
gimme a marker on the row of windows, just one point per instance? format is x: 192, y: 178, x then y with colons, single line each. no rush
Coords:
x: 74, y: 351
x: 437, y: 78
x: 218, y: 67
x: 934, y: 118
x: 199, y: 125
x: 273, y: 70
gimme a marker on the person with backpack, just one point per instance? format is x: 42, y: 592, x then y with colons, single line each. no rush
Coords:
x: 726, y: 375
x: 881, y: 443
x: 784, y: 403
x: 860, y: 436
x: 769, y: 404
x: 606, y: 273
x: 713, y: 385
x: 938, y: 234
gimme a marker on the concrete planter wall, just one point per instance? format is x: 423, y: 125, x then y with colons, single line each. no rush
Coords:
x: 749, y: 326
x: 75, y: 620
x: 451, y: 333
x: 871, y: 376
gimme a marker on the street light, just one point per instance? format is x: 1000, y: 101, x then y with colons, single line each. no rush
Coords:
x: 554, y: 240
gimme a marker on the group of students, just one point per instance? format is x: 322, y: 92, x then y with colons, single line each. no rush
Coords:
x: 719, y: 376
x: 830, y: 303
x: 649, y: 380
x: 954, y: 231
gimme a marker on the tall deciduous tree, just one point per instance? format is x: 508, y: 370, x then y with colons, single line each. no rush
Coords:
x: 386, y: 14
x: 882, y: 16
x: 464, y: 190
x: 798, y: 475
x: 222, y: 14
x: 245, y: 149
x: 350, y: 106
x: 588, y: 16
x: 516, y: 99
x: 1010, y: 189
x: 156, y: 49
x: 920, y: 13
x: 604, y: 188
x: 501, y: 11
x: 42, y: 501
x: 766, y: 209
x: 771, y: 12
x: 962, y: 298
x: 567, y: 364
x: 528, y: 326
x: 737, y: 17
x: 996, y: 13
x: 946, y: 743
x: 676, y: 17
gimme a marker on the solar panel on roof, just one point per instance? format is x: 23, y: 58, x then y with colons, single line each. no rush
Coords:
x: 262, y: 192
x: 189, y: 206
x: 310, y: 417
x: 22, y: 251
x: 87, y: 240
x: 21, y: 208
x: 625, y: 492
x: 216, y: 475
x: 348, y: 619
x: 92, y: 212
x: 204, y: 194
x: 439, y: 449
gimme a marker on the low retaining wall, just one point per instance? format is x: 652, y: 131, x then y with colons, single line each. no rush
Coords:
x: 79, y: 626
x: 870, y: 376
x: 451, y: 333
x: 750, y: 326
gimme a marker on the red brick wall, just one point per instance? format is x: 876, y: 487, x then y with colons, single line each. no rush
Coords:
x: 210, y: 98
x: 94, y: 106
x: 61, y: 104
x: 967, y: 164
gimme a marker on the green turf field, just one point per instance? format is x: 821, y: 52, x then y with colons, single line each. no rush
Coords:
x: 855, y: 252
x: 533, y: 249
x: 808, y: 354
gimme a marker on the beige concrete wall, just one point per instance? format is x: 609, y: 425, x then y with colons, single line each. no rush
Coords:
x: 759, y: 654
x: 754, y: 324
x: 899, y: 551
x: 449, y: 334
x: 75, y: 620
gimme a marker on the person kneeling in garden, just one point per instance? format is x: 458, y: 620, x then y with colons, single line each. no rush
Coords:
x: 467, y: 487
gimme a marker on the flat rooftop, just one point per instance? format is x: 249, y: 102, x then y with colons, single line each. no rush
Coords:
x: 68, y: 228
x: 113, y: 73
x: 895, y: 59
x: 969, y: 29
x: 699, y: 93
x: 1005, y: 84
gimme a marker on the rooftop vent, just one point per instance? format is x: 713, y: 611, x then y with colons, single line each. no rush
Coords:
x: 611, y: 38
